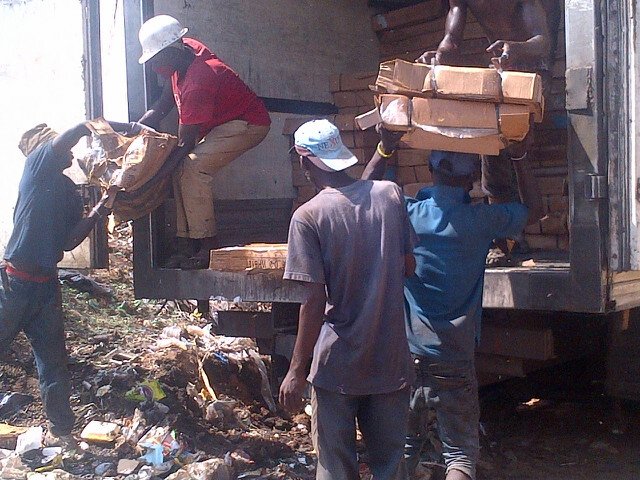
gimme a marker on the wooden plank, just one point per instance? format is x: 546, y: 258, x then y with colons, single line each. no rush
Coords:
x: 257, y: 256
x: 422, y: 12
x: 421, y: 42
x: 431, y: 40
x: 516, y: 342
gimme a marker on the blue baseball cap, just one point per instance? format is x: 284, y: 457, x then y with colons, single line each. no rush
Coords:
x: 322, y: 139
x: 457, y: 165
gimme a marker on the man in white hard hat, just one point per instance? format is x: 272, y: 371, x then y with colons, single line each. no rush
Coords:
x: 351, y: 246
x: 220, y: 118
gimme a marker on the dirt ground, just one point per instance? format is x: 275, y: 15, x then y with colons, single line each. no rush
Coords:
x: 556, y: 424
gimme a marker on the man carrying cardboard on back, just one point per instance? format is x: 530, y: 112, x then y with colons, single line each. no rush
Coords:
x: 523, y: 36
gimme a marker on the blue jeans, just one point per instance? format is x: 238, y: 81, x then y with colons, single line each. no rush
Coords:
x: 451, y: 392
x: 36, y: 309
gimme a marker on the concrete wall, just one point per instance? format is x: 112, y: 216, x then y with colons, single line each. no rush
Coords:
x: 282, y: 49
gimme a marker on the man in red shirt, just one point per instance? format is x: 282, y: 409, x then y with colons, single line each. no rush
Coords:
x: 220, y: 118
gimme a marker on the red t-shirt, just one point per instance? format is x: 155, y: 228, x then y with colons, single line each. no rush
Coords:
x: 211, y: 93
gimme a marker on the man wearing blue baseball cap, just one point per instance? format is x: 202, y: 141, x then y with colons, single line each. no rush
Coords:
x: 351, y: 245
x: 443, y: 299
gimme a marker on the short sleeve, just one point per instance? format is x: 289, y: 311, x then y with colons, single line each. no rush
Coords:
x: 304, y: 257
x: 505, y: 220
x: 196, y: 106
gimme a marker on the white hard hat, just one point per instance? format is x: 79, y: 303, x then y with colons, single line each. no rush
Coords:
x: 158, y: 33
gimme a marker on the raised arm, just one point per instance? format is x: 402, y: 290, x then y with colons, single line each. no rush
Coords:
x: 376, y: 167
x: 453, y: 33
x: 64, y: 142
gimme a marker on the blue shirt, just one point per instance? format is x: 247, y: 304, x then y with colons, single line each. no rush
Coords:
x: 47, y: 209
x: 443, y: 300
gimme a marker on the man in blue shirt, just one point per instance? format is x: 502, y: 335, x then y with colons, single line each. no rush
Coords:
x: 443, y: 299
x: 48, y: 220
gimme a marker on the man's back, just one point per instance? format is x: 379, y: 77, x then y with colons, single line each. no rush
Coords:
x: 444, y: 297
x: 354, y: 240
x: 47, y: 209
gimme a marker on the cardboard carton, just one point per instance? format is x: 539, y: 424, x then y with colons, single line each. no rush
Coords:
x: 465, y: 83
x: 453, y: 113
x: 521, y: 87
x: 399, y: 76
x: 473, y: 118
x: 395, y: 111
x: 368, y: 119
x: 421, y: 139
x: 514, y: 121
x: 453, y: 125
x: 255, y: 256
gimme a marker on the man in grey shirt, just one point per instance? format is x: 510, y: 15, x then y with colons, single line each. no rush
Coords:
x: 351, y: 244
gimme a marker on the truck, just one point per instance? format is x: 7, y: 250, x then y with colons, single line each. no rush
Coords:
x: 580, y: 286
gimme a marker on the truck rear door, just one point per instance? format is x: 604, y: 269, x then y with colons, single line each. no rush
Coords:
x: 622, y: 94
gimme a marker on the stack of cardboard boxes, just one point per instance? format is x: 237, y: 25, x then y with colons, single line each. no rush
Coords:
x: 458, y: 109
x: 406, y: 33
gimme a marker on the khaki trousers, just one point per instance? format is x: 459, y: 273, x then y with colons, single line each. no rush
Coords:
x: 193, y: 182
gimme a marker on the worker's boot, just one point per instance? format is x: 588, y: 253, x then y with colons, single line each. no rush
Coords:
x: 185, y: 249
x: 201, y: 259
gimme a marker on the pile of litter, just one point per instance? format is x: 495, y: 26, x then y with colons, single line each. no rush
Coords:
x: 186, y: 404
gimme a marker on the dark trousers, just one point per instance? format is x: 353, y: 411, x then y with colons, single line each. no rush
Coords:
x: 382, y: 420
x: 36, y: 309
x: 450, y: 391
